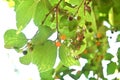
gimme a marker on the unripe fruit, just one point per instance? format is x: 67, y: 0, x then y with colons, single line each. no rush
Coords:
x: 98, y: 43
x: 90, y: 30
x: 85, y: 51
x: 99, y: 35
x: 62, y: 37
x: 78, y: 17
x: 56, y: 77
x: 110, y: 37
x: 58, y: 44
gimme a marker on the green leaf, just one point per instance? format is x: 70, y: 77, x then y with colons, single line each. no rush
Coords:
x: 114, y: 18
x: 42, y: 9
x: 66, y: 23
x: 111, y: 16
x: 102, y: 30
x: 63, y: 21
x: 17, y: 2
x: 79, y: 50
x: 72, y: 25
x: 118, y: 57
x: 53, y: 2
x: 86, y: 69
x: 116, y: 5
x: 103, y: 8
x: 13, y: 39
x: 44, y: 56
x: 24, y: 13
x: 111, y: 67
x: 68, y: 4
x: 26, y: 59
x: 82, y: 48
x: 118, y: 53
x: 108, y: 56
x: 118, y: 38
x: 86, y: 56
x: 78, y: 74
x: 73, y: 2
x: 91, y: 18
x: 66, y: 58
x: 117, y: 21
x: 86, y: 73
x: 92, y: 78
x: 47, y: 75
x: 86, y: 17
x: 67, y: 32
x: 42, y: 35
x: 61, y: 68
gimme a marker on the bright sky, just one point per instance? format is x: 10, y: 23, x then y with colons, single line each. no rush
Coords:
x: 11, y: 69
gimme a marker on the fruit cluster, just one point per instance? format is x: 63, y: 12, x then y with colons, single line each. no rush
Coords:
x: 58, y: 42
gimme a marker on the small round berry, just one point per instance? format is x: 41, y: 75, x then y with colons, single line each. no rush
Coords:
x: 110, y: 37
x: 85, y: 51
x: 112, y: 31
x: 98, y: 43
x: 58, y: 44
x: 25, y: 52
x: 70, y: 18
x: 116, y: 30
x: 90, y: 30
x: 78, y: 18
x: 62, y: 37
x: 99, y: 35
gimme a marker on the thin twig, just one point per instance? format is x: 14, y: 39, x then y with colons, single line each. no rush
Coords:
x: 50, y: 12
x: 57, y: 23
x: 78, y: 8
x: 84, y: 6
x: 58, y: 3
x: 48, y: 15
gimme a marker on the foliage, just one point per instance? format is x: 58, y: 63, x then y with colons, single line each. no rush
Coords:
x: 80, y: 34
